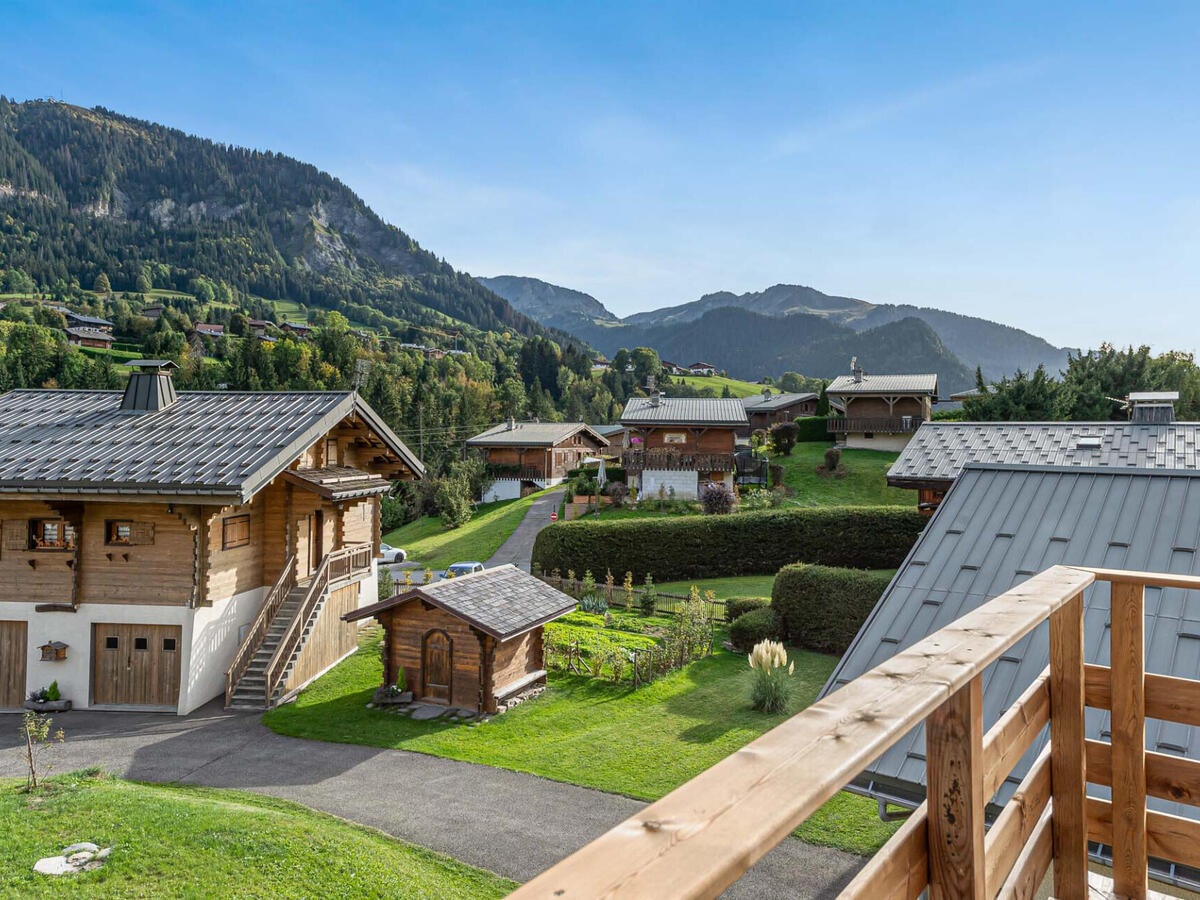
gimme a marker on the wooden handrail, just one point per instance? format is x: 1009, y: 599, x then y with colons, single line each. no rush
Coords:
x: 336, y: 566
x: 705, y: 834
x: 258, y: 628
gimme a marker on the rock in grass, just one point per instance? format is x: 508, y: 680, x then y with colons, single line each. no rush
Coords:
x: 53, y: 865
x: 82, y: 845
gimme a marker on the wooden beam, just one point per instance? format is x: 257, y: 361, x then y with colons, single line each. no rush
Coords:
x: 702, y: 836
x: 1168, y: 837
x: 1007, y: 740
x: 1168, y: 698
x: 1146, y: 579
x: 900, y: 869
x: 954, y: 773
x: 1174, y: 778
x: 1128, y: 740
x: 1034, y: 859
x: 1067, y: 774
x: 1016, y: 823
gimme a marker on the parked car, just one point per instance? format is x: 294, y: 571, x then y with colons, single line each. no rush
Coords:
x: 462, y: 568
x: 390, y: 554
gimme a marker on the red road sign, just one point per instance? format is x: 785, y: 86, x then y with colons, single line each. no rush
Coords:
x: 553, y: 517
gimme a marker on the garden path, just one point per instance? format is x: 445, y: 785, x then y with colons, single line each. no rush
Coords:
x: 518, y: 549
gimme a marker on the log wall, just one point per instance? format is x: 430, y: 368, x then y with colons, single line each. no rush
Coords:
x: 406, y: 628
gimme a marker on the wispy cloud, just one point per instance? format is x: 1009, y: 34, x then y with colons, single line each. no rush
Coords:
x: 811, y: 135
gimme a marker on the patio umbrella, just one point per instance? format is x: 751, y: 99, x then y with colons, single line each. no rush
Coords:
x: 600, y: 477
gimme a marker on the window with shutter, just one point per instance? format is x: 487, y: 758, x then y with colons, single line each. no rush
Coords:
x: 235, y: 532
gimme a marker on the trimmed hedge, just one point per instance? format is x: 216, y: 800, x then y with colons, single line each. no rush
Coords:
x: 822, y: 608
x: 737, y: 606
x: 813, y: 428
x: 675, y: 548
x: 611, y: 472
x: 750, y: 628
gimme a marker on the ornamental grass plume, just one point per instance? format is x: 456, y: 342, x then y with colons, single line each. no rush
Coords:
x: 772, y: 687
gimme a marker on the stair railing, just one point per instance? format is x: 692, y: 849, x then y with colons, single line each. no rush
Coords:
x: 257, y: 631
x: 338, y: 565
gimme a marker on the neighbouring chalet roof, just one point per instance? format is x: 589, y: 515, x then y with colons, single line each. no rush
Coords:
x: 81, y: 319
x: 224, y: 445
x: 504, y: 602
x: 532, y: 434
x: 684, y: 411
x: 884, y: 384
x: 215, y: 330
x: 998, y: 526
x: 760, y: 403
x: 938, y: 451
x: 339, y: 482
x: 608, y: 431
x: 89, y: 334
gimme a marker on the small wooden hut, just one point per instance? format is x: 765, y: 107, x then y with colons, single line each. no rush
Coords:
x: 468, y: 642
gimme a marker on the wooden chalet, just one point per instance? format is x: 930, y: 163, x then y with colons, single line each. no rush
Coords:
x: 879, y: 412
x: 702, y: 368
x: 681, y: 442
x: 468, y: 642
x: 185, y: 546
x: 89, y: 337
x: 212, y: 331
x: 527, y: 456
x: 767, y: 409
x: 80, y: 320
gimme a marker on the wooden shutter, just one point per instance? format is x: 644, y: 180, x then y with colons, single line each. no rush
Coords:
x: 16, y: 534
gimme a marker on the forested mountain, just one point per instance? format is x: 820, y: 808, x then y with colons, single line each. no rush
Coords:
x: 998, y: 349
x: 84, y: 192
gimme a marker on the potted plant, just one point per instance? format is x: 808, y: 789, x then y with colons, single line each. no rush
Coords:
x: 47, y: 699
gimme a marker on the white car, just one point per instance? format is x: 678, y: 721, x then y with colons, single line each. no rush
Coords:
x: 389, y: 554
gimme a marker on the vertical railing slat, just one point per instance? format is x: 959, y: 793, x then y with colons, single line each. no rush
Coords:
x: 1128, y: 740
x: 955, y: 766
x: 1067, y: 773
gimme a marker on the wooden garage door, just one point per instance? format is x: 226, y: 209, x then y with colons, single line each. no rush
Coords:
x: 135, y: 665
x: 12, y: 664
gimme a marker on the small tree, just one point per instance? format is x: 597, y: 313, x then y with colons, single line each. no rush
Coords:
x: 142, y: 285
x: 453, y: 502
x: 627, y: 587
x: 386, y: 584
x: 833, y: 458
x: 783, y: 438
x: 649, y: 596
x: 101, y: 285
x: 39, y: 738
x: 717, y: 498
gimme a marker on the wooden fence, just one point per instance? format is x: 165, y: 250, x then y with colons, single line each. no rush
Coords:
x: 615, y: 595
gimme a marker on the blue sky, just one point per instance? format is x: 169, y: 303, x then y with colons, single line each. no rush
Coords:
x: 1035, y: 166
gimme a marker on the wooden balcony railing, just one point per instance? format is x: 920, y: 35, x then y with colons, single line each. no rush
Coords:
x: 258, y: 628
x: 880, y: 425
x: 677, y: 460
x: 704, y: 835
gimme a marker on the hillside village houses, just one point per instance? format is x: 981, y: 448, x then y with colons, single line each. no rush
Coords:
x: 523, y: 457
x: 679, y: 443
x: 185, y: 545
x: 879, y: 412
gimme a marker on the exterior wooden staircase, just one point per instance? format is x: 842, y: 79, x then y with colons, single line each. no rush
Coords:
x: 258, y: 676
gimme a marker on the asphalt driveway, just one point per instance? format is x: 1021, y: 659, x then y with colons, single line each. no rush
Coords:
x: 511, y: 823
x: 518, y: 549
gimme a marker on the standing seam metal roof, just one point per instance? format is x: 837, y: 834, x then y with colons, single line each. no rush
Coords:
x: 939, y: 450
x: 208, y: 443
x: 532, y: 433
x: 997, y: 526
x: 758, y: 403
x: 884, y: 384
x: 684, y: 411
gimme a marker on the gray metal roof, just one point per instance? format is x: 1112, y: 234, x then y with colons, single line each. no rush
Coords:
x: 209, y: 443
x: 91, y: 334
x: 884, y: 384
x: 939, y: 450
x: 504, y: 602
x: 531, y: 434
x: 608, y: 430
x: 1001, y: 524
x: 759, y: 403
x: 684, y: 411
x: 85, y: 319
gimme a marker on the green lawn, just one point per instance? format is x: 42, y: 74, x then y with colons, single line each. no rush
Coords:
x: 641, y: 743
x: 192, y: 842
x: 864, y: 484
x: 718, y: 383
x: 724, y: 588
x: 428, y: 541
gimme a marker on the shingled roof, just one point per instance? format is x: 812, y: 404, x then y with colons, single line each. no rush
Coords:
x: 503, y: 602
x: 938, y: 451
x: 998, y: 526
x: 883, y: 384
x: 531, y: 434
x: 209, y: 444
x: 684, y: 411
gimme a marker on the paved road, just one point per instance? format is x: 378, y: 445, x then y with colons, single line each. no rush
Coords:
x: 511, y: 823
x: 518, y: 549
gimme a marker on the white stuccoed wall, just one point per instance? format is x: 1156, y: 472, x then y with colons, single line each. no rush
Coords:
x: 211, y: 640
x: 502, y: 489
x: 891, y: 442
x: 685, y: 483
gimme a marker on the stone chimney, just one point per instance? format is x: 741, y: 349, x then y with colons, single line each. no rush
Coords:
x: 150, y: 387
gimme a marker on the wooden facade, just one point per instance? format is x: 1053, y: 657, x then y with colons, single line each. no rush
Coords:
x: 448, y: 661
x: 13, y: 651
x: 544, y: 463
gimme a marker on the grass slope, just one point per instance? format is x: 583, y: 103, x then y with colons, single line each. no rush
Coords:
x: 641, y: 743
x: 192, y: 842
x: 428, y: 541
x: 718, y: 383
x: 864, y: 484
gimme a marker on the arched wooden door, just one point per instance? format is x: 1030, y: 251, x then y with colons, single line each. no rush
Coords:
x: 436, y: 667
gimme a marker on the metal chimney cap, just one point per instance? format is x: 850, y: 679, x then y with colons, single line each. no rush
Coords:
x: 152, y: 364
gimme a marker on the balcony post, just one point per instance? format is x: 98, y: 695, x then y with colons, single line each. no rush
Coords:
x: 1067, y: 765
x: 954, y: 763
x: 1128, y: 687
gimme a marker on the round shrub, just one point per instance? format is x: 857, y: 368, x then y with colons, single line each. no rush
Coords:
x: 736, y: 606
x: 750, y: 628
x: 717, y: 498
